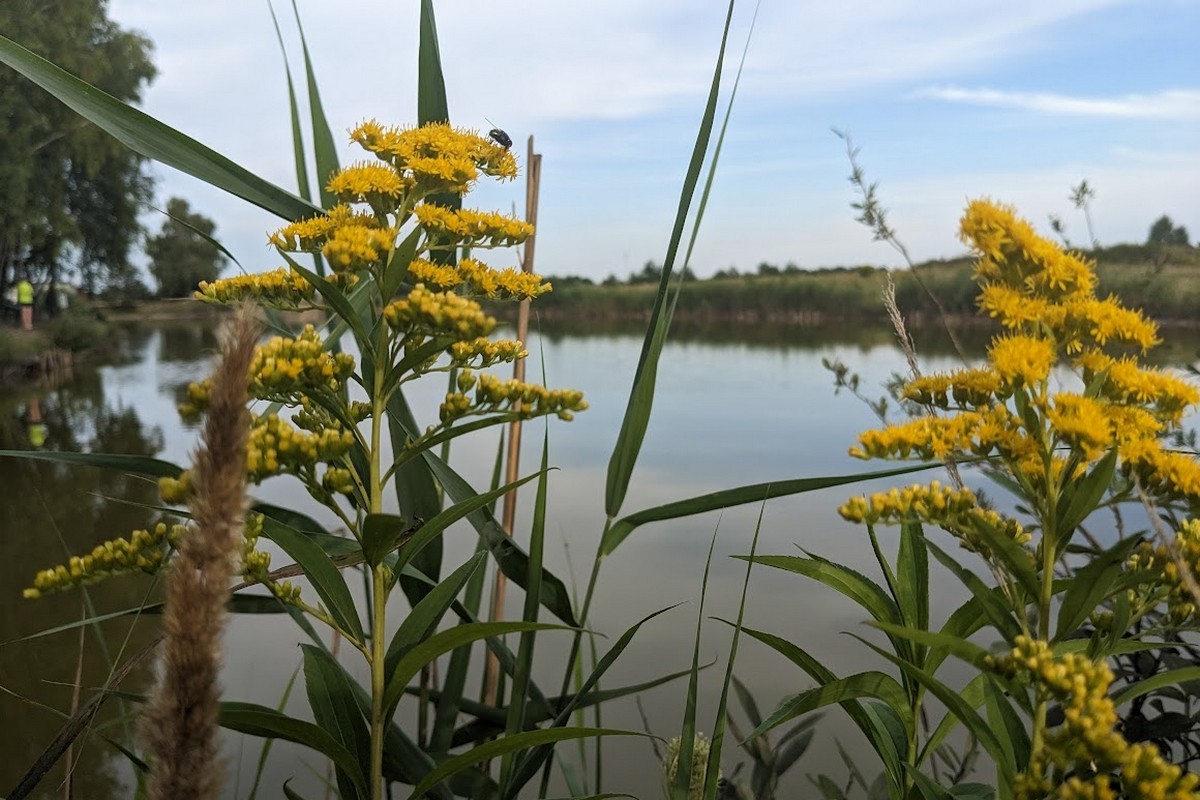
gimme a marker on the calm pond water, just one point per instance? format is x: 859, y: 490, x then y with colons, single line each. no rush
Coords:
x: 728, y: 412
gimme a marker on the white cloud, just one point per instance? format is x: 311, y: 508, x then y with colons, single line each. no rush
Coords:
x: 1171, y: 104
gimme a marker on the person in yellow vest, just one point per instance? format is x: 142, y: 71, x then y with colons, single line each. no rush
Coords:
x: 37, y: 429
x: 25, y: 301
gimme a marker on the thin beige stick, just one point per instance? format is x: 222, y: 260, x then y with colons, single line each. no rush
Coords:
x: 180, y: 726
x: 513, y: 456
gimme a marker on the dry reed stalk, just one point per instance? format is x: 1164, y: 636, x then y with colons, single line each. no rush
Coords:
x: 180, y: 726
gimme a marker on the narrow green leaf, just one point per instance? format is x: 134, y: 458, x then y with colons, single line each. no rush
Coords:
x: 324, y: 149
x: 1163, y: 679
x: 148, y: 137
x: 383, y: 533
x: 997, y: 612
x: 443, y: 642
x: 854, y: 585
x: 680, y: 787
x: 912, y: 578
x: 509, y: 744
x: 972, y: 695
x: 1009, y: 727
x: 521, y: 678
x: 423, y: 620
x: 741, y: 495
x: 134, y: 465
x: 340, y: 303
x: 511, y: 559
x: 870, y: 725
x: 749, y: 706
x: 257, y: 720
x: 1080, y: 498
x: 928, y: 789
x: 874, y: 684
x: 1092, y: 584
x: 417, y: 493
x: 321, y: 572
x: 332, y: 702
x: 431, y: 85
x: 972, y: 653
x: 294, y: 114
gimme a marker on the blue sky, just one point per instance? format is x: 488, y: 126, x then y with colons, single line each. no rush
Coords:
x: 1015, y: 99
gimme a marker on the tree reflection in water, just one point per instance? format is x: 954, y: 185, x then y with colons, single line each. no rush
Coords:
x: 48, y: 512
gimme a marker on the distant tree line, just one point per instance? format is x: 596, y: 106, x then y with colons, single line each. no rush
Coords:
x: 70, y: 194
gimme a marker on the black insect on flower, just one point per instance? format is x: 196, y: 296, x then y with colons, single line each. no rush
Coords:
x: 499, y: 137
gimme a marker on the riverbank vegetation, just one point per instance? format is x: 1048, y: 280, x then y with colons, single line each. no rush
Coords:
x: 1068, y: 671
x: 1164, y: 281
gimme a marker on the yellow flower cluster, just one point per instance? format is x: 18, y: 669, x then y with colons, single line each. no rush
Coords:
x: 1086, y: 748
x: 144, y: 551
x: 970, y: 388
x: 378, y: 185
x: 956, y: 510
x: 494, y: 396
x: 472, y: 228
x: 473, y: 277
x: 439, y: 314
x: 176, y: 491
x: 275, y: 447
x: 198, y: 394
x: 312, y: 233
x: 256, y: 564
x: 436, y: 157
x: 1163, y: 473
x: 285, y: 369
x: 282, y: 288
x: 357, y: 247
x: 484, y: 352
x: 1022, y: 360
x: 1046, y: 299
x: 1171, y: 561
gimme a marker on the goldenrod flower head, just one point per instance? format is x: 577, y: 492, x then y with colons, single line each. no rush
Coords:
x: 482, y: 353
x: 1081, y: 423
x: 284, y: 369
x: 378, y: 185
x: 310, y: 234
x: 969, y: 388
x: 356, y: 247
x: 144, y: 551
x: 436, y: 157
x: 276, y: 446
x: 282, y: 288
x: 1022, y: 360
x: 472, y: 228
x: 176, y: 491
x: 1174, y: 564
x: 495, y: 396
x: 439, y: 314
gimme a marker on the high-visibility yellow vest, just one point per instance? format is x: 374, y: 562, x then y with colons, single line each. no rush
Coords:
x: 25, y: 293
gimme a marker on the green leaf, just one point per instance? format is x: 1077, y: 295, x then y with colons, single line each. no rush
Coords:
x: 513, y: 561
x: 431, y: 85
x: 417, y: 493
x: 382, y: 533
x: 728, y: 498
x: 134, y: 465
x: 928, y: 789
x: 956, y: 705
x: 445, y: 641
x: 971, y: 653
x: 869, y: 723
x: 324, y: 149
x: 423, y: 620
x: 257, y: 720
x: 148, y: 137
x: 1009, y: 728
x: 1163, y: 679
x: 519, y: 689
x: 340, y: 303
x: 962, y: 623
x: 294, y: 115
x: 433, y: 528
x: 749, y: 706
x: 641, y: 394
x: 333, y: 705
x: 874, y: 684
x: 973, y: 791
x: 912, y: 578
x: 1080, y: 498
x: 322, y: 574
x: 972, y: 695
x: 509, y: 744
x: 997, y: 612
x: 1091, y: 584
x: 854, y: 585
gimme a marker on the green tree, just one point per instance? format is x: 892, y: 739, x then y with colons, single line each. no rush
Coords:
x: 1166, y: 232
x: 183, y: 253
x: 69, y: 193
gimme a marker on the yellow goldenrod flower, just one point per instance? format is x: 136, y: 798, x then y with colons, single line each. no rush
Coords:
x: 378, y: 185
x: 439, y: 314
x: 1022, y: 360
x: 472, y: 228
x: 144, y: 551
x: 310, y: 234
x: 285, y: 369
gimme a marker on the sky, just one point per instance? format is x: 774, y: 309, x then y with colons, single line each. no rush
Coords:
x: 1017, y: 100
